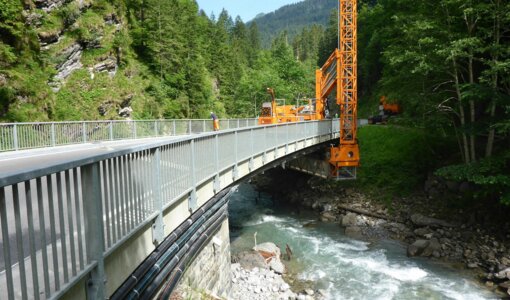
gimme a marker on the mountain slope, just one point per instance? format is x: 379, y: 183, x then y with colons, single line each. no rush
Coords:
x: 293, y: 18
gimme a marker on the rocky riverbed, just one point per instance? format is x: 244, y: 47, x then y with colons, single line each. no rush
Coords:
x: 428, y: 232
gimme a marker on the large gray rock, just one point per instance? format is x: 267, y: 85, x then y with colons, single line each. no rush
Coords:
x: 417, y: 248
x: 433, y: 247
x: 424, y: 248
x: 250, y: 259
x: 268, y: 248
x: 277, y: 266
x: 420, y: 220
x: 350, y: 219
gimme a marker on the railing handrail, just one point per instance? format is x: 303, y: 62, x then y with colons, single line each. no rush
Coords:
x: 31, y: 135
x: 20, y: 175
x: 113, y: 121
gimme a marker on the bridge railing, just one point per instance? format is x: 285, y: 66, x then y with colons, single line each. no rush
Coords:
x: 19, y: 136
x: 60, y: 223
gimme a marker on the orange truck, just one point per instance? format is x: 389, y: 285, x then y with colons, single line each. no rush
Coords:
x: 273, y: 113
x: 385, y: 111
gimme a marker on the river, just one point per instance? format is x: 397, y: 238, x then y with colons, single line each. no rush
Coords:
x: 344, y: 267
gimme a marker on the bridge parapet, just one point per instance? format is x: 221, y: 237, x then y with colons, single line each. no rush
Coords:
x: 77, y: 228
x: 20, y: 136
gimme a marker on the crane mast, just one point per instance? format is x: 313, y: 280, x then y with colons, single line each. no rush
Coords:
x: 340, y: 71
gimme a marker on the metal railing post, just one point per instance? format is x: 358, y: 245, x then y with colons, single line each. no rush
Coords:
x: 192, y: 203
x: 203, y: 126
x: 236, y: 171
x: 174, y: 129
x: 250, y: 165
x: 264, y: 156
x: 238, y: 125
x: 111, y: 131
x: 93, y: 214
x: 84, y: 131
x: 217, y: 184
x: 15, y: 136
x: 53, y: 139
x: 286, y: 138
x: 156, y: 131
x: 158, y: 227
x: 134, y: 129
x: 189, y: 125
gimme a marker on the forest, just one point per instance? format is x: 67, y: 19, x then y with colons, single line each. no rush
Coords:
x: 446, y: 62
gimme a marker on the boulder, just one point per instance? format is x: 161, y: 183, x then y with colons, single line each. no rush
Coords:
x: 350, y: 219
x: 277, y: 266
x: 417, y: 248
x: 505, y: 285
x: 422, y: 221
x: 426, y: 248
x: 328, y: 217
x: 503, y: 274
x: 270, y: 248
x: 251, y: 259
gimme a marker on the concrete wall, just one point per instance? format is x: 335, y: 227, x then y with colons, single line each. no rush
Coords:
x: 210, y: 271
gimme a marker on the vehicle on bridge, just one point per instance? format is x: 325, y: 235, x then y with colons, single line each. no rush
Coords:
x: 277, y: 111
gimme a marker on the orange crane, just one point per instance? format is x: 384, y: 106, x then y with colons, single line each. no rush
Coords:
x: 340, y: 72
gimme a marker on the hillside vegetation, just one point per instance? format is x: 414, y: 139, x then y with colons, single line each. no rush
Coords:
x: 293, y: 18
x: 99, y: 59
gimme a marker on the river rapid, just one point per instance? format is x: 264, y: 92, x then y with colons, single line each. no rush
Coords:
x: 343, y: 267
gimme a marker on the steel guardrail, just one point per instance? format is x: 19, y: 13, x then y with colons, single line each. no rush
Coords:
x: 20, y: 136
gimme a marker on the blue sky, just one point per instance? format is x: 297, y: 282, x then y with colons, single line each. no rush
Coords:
x: 247, y: 9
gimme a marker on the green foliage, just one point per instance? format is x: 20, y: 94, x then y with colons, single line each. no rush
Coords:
x: 491, y: 176
x: 395, y: 160
x: 293, y: 18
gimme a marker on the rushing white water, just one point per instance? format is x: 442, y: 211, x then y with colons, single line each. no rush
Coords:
x: 344, y: 267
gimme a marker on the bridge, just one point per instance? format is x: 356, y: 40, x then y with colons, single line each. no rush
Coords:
x: 102, y: 216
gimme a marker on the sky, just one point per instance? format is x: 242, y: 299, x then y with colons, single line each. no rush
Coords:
x: 246, y: 9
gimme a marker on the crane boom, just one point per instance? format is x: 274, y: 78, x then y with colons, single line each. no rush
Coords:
x: 340, y: 71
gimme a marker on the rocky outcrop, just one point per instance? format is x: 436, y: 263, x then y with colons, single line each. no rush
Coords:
x: 71, y: 61
x: 49, y: 5
x: 125, y: 112
x: 250, y: 260
x: 46, y: 38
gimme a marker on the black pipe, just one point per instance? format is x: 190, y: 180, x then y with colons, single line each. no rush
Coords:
x: 158, y: 280
x: 141, y: 270
x: 181, y: 268
x: 172, y: 251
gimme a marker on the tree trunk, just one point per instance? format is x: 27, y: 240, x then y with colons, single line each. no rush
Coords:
x: 495, y: 57
x: 467, y: 159
x: 472, y: 110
